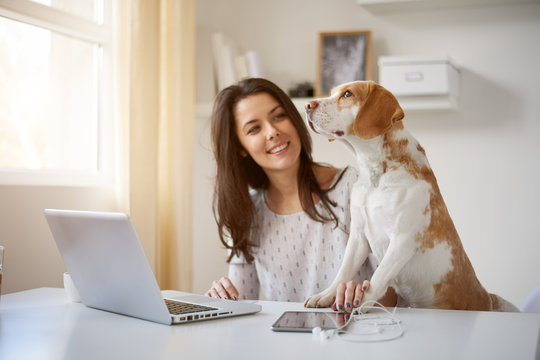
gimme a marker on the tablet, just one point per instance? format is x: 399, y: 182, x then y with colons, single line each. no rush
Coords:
x: 305, y: 321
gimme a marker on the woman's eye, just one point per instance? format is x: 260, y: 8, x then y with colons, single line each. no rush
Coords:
x: 253, y: 129
x: 346, y: 94
x: 279, y: 116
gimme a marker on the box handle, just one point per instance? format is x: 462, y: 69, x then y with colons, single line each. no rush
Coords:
x: 414, y: 76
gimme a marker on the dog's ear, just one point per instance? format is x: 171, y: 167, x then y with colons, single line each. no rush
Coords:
x: 378, y: 113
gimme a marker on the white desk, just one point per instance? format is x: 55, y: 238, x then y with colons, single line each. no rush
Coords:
x: 44, y: 324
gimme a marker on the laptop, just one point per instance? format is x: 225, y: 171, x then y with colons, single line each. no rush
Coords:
x: 105, y: 258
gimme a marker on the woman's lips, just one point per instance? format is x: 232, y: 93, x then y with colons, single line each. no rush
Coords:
x: 278, y: 148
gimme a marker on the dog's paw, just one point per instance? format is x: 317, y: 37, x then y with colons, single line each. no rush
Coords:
x: 372, y: 296
x: 321, y: 300
x: 369, y: 297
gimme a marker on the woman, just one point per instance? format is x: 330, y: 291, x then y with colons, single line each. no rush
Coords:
x: 284, y: 218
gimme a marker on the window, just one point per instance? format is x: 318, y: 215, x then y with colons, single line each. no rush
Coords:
x: 55, y: 119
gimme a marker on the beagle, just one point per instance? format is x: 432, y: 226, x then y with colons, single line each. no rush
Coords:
x: 397, y: 211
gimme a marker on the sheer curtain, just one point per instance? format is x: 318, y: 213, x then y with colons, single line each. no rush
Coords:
x: 155, y: 52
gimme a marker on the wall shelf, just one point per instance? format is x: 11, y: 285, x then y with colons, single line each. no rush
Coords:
x: 380, y: 6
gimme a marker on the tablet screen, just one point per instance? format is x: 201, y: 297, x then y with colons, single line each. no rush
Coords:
x: 305, y: 321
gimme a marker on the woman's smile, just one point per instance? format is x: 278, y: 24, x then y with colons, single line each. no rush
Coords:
x: 278, y: 148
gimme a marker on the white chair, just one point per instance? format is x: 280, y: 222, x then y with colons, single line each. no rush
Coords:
x: 532, y: 305
x: 532, y: 302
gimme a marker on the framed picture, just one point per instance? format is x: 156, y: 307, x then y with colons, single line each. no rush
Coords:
x: 343, y: 57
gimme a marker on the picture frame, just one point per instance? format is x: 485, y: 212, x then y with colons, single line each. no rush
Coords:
x: 343, y: 57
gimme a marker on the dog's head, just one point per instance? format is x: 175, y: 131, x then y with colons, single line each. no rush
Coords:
x: 361, y: 108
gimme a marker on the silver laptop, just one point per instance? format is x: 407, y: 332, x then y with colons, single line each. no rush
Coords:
x: 103, y: 254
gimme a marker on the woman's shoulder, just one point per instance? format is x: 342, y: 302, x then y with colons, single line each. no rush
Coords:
x: 344, y: 178
x: 329, y: 177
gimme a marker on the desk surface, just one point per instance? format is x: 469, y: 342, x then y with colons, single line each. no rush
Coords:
x: 44, y: 324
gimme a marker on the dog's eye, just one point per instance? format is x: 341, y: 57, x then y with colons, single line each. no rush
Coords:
x: 346, y: 94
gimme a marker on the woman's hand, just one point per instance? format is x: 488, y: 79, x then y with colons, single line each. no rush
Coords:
x: 349, y: 295
x: 224, y: 289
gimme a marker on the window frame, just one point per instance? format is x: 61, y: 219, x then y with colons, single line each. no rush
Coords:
x: 101, y: 33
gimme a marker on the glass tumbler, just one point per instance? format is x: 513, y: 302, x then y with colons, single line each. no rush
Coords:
x: 1, y: 266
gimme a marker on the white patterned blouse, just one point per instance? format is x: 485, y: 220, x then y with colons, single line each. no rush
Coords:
x: 296, y: 256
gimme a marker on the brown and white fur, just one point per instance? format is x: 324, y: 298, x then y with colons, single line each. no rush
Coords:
x: 397, y: 211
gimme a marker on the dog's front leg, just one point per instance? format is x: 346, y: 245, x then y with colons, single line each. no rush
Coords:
x: 398, y: 254
x: 356, y: 252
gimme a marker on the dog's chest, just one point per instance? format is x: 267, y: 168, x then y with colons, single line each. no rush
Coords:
x: 398, y: 203
x: 398, y: 212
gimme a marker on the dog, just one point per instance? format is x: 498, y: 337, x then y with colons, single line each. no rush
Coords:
x: 397, y: 211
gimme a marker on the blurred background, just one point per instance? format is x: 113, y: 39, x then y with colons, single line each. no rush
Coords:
x: 111, y: 113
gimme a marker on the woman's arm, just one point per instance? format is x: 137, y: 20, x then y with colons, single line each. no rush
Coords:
x: 245, y: 277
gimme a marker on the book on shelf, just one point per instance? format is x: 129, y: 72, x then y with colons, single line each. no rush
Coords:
x: 230, y: 64
x: 241, y: 67
x: 254, y: 64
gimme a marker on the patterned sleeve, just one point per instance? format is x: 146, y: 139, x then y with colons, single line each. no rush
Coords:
x: 244, y: 277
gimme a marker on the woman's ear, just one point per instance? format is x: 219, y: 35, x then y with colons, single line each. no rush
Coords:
x: 243, y: 153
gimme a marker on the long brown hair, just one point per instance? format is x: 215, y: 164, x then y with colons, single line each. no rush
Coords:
x: 236, y: 174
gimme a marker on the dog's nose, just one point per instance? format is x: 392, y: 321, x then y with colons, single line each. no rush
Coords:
x: 312, y: 105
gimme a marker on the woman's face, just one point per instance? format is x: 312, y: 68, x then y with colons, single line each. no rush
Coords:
x: 267, y: 133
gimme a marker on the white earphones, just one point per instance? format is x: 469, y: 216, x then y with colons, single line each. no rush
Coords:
x: 370, y: 327
x: 323, y: 335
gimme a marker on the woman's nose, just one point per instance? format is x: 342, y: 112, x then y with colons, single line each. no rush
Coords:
x: 271, y: 132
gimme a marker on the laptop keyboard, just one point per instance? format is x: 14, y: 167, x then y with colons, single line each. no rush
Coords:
x: 178, y: 307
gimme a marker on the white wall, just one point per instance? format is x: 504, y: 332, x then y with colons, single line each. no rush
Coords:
x: 485, y: 154
x: 31, y: 257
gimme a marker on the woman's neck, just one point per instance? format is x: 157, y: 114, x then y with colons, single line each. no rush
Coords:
x: 282, y: 195
x: 282, y: 191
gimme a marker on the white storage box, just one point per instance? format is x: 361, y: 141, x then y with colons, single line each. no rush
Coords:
x: 420, y: 83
